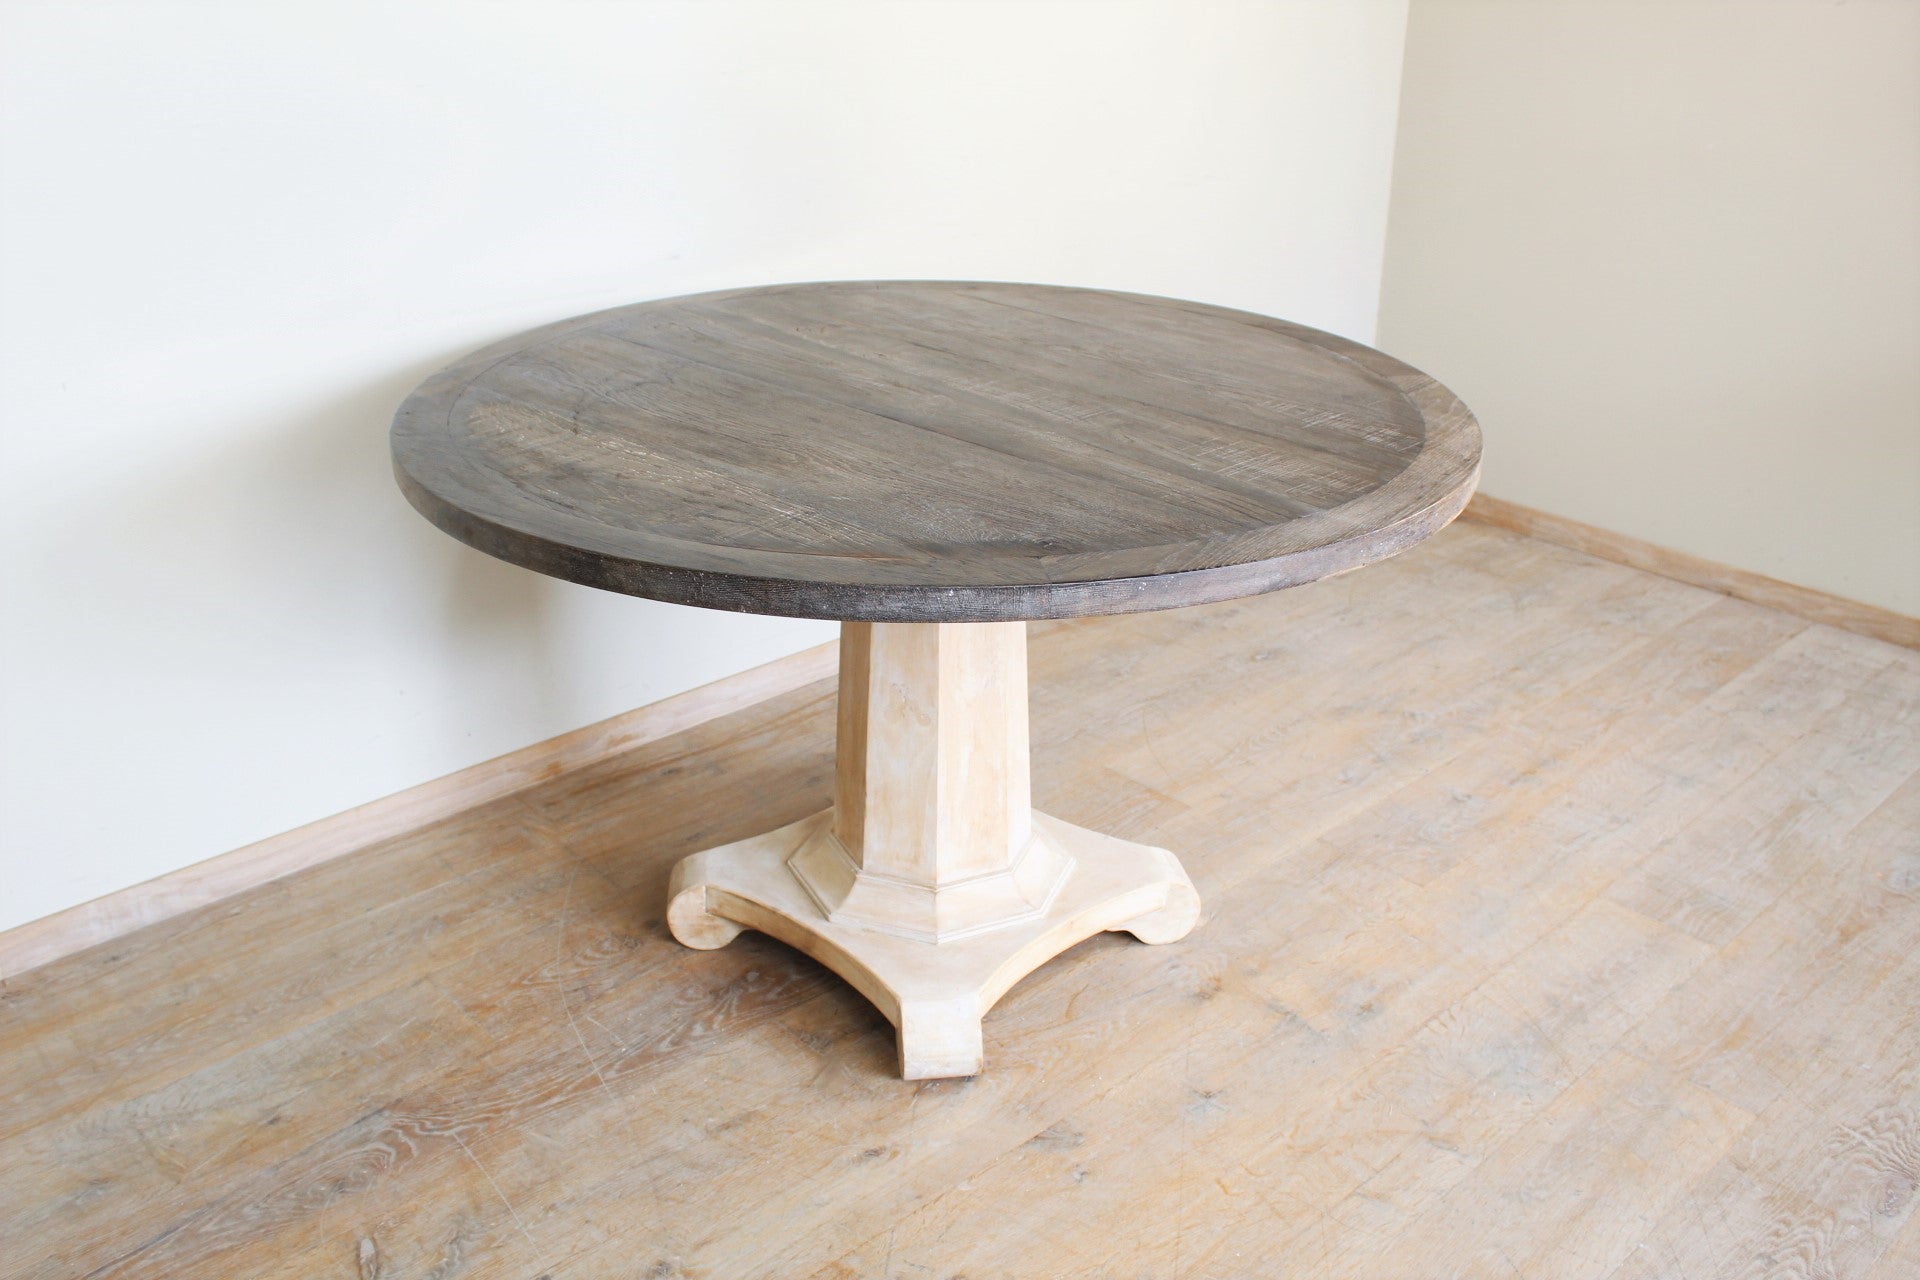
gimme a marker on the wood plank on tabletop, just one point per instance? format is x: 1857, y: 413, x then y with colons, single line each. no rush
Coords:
x: 895, y: 451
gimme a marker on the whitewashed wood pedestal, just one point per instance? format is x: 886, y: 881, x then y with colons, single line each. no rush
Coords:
x: 931, y: 884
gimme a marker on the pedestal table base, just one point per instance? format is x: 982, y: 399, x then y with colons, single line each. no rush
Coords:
x: 931, y: 884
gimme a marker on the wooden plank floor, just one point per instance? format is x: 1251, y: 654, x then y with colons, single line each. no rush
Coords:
x: 1561, y: 921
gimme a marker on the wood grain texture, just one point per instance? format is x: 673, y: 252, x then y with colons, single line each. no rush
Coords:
x: 1742, y: 584
x: 934, y: 452
x: 1561, y: 921
x: 206, y: 883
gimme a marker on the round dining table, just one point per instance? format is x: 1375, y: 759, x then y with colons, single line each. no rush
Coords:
x: 934, y: 464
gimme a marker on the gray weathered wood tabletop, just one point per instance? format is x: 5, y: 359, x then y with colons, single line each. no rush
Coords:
x: 934, y: 451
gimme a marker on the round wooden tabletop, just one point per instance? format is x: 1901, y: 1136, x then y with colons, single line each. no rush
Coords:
x: 934, y: 452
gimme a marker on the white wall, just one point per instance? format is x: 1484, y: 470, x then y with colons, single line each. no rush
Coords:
x: 1669, y: 251
x: 235, y: 235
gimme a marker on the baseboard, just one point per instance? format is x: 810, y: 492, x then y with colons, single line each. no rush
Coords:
x: 1818, y: 606
x: 40, y: 941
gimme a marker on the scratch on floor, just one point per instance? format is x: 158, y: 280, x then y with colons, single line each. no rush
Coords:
x: 566, y: 1005
x: 618, y: 1043
x: 511, y: 1211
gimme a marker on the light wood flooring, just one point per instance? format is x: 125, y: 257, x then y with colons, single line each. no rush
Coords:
x: 1560, y: 921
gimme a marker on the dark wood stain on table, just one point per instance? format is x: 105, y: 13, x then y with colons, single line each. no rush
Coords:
x: 934, y: 452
